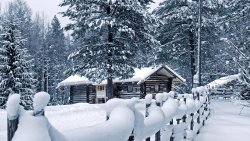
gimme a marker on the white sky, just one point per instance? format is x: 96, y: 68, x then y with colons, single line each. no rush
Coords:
x: 51, y: 8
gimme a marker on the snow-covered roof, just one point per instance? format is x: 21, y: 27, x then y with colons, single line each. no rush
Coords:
x: 140, y: 75
x: 223, y: 80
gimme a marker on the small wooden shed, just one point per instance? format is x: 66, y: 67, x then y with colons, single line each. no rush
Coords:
x: 145, y: 80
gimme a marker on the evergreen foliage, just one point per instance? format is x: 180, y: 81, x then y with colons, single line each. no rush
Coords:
x: 20, y: 13
x: 112, y: 35
x: 177, y: 34
x: 55, y: 59
x: 15, y: 67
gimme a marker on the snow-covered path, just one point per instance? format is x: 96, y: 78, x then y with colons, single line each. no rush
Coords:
x: 225, y: 123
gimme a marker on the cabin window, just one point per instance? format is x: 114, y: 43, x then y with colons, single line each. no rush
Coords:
x: 100, y: 88
x: 130, y: 88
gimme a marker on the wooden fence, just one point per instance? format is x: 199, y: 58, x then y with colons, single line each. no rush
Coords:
x: 184, y: 123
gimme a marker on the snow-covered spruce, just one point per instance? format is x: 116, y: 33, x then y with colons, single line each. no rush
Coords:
x: 15, y: 67
x: 55, y: 61
x: 118, y: 35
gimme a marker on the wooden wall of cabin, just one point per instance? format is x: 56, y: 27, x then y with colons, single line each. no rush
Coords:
x: 132, y: 89
x: 127, y: 90
x: 158, y: 84
x: 154, y: 87
x: 82, y: 93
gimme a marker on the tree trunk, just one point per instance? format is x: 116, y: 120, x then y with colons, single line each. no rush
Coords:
x: 12, y: 127
x: 110, y: 72
x: 192, y: 55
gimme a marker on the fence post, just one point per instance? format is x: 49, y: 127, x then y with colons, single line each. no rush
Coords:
x: 192, y: 121
x: 131, y: 138
x: 198, y: 112
x: 206, y: 108
x: 159, y: 104
x: 203, y: 120
x: 172, y: 136
x: 12, y: 127
x: 185, y: 116
x: 148, y: 100
x: 12, y: 115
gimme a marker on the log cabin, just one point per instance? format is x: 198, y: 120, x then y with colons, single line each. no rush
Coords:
x: 144, y: 81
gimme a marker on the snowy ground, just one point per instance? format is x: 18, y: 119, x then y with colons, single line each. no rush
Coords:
x: 65, y: 118
x: 225, y: 123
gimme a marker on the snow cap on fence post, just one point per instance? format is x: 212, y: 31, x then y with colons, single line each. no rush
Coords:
x: 159, y: 99
x: 12, y: 115
x: 40, y: 101
x: 172, y: 94
x: 148, y: 100
x: 182, y: 109
x: 13, y: 106
x: 169, y: 109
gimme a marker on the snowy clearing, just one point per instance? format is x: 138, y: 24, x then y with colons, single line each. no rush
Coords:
x: 225, y: 123
x: 228, y: 121
x: 64, y: 118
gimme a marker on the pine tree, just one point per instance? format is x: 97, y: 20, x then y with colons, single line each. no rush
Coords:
x: 177, y: 34
x: 56, y: 55
x: 38, y: 31
x: 213, y: 50
x: 20, y: 13
x: 15, y: 67
x: 112, y: 33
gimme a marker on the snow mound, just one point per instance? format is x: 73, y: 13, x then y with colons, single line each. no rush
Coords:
x: 151, y: 125
x: 190, y: 105
x: 223, y: 80
x: 118, y: 128
x: 182, y: 109
x: 13, y: 106
x: 148, y: 98
x: 165, y: 96
x: 31, y: 128
x: 169, y: 109
x: 197, y: 105
x: 41, y: 100
x: 171, y: 94
x: 159, y: 98
x: 113, y: 103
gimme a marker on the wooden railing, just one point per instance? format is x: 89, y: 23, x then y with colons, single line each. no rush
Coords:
x: 170, y: 116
